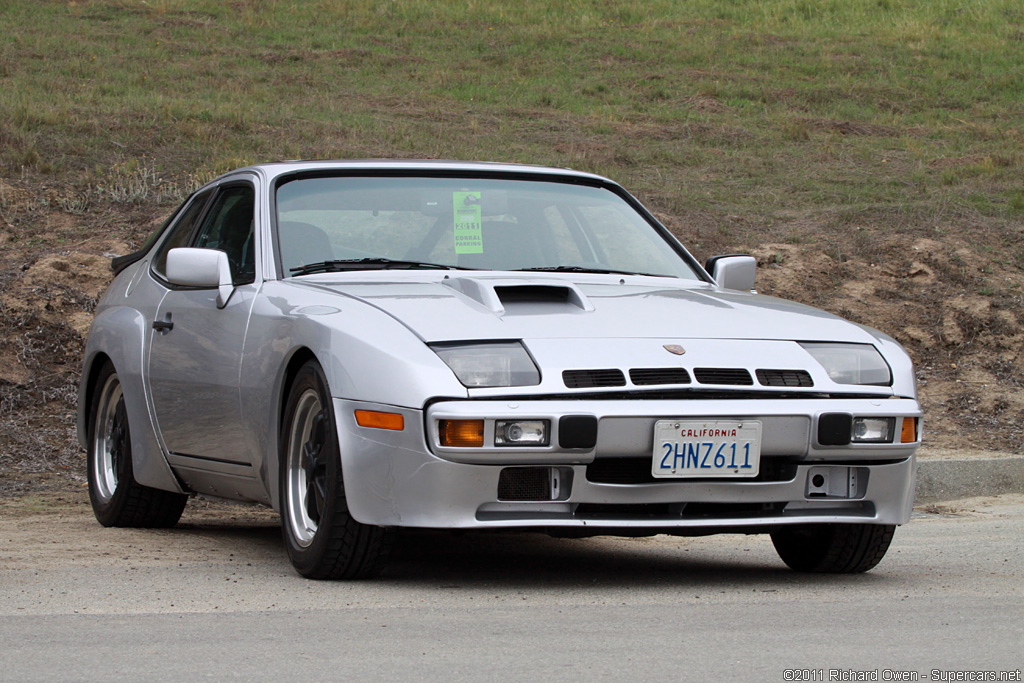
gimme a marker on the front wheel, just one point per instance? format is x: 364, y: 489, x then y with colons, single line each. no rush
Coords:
x: 833, y: 548
x: 322, y: 538
x: 117, y: 499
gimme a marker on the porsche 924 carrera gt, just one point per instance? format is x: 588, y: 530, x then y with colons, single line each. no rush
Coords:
x: 373, y: 345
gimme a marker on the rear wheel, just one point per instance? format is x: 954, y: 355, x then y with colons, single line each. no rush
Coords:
x: 833, y: 548
x: 322, y: 538
x: 117, y: 499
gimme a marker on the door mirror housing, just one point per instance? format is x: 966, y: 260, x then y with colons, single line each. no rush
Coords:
x: 203, y: 269
x: 733, y: 271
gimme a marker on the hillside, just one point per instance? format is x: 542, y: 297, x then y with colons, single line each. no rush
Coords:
x: 868, y: 152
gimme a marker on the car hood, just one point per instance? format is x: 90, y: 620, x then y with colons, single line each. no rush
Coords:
x: 471, y: 307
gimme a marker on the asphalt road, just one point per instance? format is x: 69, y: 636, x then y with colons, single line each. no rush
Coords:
x: 216, y: 598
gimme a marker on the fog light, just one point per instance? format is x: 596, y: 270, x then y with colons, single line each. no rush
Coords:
x: 521, y: 433
x: 873, y: 429
x: 462, y: 433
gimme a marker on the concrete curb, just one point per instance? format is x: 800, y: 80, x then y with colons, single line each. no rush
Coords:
x: 939, y: 480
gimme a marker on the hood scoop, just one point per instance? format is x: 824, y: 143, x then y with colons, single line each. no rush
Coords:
x: 508, y: 296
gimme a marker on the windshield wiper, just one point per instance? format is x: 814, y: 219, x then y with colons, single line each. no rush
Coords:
x: 367, y: 264
x: 586, y: 269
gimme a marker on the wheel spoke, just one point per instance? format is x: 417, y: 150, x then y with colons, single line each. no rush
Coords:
x: 310, y: 460
x: 315, y: 466
x: 310, y: 504
x: 320, y: 494
x: 118, y: 435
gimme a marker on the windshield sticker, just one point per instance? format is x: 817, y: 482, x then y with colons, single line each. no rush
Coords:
x: 469, y: 238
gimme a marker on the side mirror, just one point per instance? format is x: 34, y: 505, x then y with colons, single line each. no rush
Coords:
x: 733, y: 271
x: 202, y: 268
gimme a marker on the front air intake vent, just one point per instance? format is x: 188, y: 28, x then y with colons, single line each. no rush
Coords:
x: 652, y: 376
x: 784, y: 378
x: 724, y: 376
x: 589, y: 379
x: 524, y: 483
x: 540, y: 294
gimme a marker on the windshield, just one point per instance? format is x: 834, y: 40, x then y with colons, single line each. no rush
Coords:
x: 353, y: 223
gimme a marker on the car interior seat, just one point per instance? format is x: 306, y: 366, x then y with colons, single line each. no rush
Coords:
x: 302, y: 244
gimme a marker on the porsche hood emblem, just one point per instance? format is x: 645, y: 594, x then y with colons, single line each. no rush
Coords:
x: 675, y: 348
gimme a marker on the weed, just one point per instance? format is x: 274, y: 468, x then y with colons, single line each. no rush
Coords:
x: 796, y: 131
x: 1005, y: 160
x: 76, y: 203
x: 136, y: 182
x: 1015, y: 204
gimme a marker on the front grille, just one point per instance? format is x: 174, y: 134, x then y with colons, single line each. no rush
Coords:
x: 730, y: 376
x: 652, y: 376
x: 587, y: 379
x: 638, y: 471
x: 524, y: 483
x: 784, y: 378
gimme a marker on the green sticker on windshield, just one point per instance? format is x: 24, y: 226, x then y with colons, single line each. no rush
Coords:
x: 469, y: 238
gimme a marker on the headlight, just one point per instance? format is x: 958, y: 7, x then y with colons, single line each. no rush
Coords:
x: 851, y: 363
x: 487, y: 364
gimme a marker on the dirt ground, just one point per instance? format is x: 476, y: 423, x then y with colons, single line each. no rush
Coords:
x: 956, y: 307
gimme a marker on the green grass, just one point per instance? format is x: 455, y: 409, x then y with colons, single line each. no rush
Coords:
x: 842, y: 111
x: 838, y: 132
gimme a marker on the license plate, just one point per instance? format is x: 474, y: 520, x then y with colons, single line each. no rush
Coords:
x: 706, y: 448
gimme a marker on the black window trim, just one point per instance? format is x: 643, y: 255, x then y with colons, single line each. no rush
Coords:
x: 227, y: 184
x: 158, y: 276
x: 673, y: 242
x: 215, y: 189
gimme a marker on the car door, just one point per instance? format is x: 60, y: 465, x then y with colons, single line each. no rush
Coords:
x: 196, y: 347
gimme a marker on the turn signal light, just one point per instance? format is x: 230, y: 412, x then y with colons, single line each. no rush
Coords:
x: 909, y: 433
x: 462, y: 433
x: 375, y: 420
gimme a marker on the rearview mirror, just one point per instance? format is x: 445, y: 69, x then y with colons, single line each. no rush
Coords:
x: 202, y: 268
x: 733, y: 271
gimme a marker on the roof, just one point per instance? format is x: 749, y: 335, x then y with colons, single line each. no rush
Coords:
x: 274, y: 169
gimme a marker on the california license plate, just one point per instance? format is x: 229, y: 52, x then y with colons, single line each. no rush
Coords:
x: 706, y: 448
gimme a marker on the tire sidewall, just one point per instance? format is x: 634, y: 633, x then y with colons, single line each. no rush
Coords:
x: 107, y: 512
x: 306, y: 559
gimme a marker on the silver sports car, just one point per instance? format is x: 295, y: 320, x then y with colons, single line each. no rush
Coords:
x: 380, y: 344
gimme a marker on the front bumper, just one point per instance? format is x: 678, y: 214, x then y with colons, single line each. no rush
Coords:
x: 405, y: 478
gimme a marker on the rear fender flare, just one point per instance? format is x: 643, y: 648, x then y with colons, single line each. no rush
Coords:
x: 119, y: 334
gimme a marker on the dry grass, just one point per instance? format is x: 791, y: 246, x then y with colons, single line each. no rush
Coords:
x: 867, y: 151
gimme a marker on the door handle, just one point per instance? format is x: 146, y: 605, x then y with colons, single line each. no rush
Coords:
x: 163, y: 326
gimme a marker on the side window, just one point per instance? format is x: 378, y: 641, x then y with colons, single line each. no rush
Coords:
x: 229, y: 228
x: 180, y: 231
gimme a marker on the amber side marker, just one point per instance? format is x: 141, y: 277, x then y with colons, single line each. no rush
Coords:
x: 462, y: 433
x: 376, y: 420
x: 909, y: 433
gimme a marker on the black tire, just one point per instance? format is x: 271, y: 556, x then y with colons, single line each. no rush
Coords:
x: 117, y: 499
x: 833, y: 548
x: 322, y: 538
